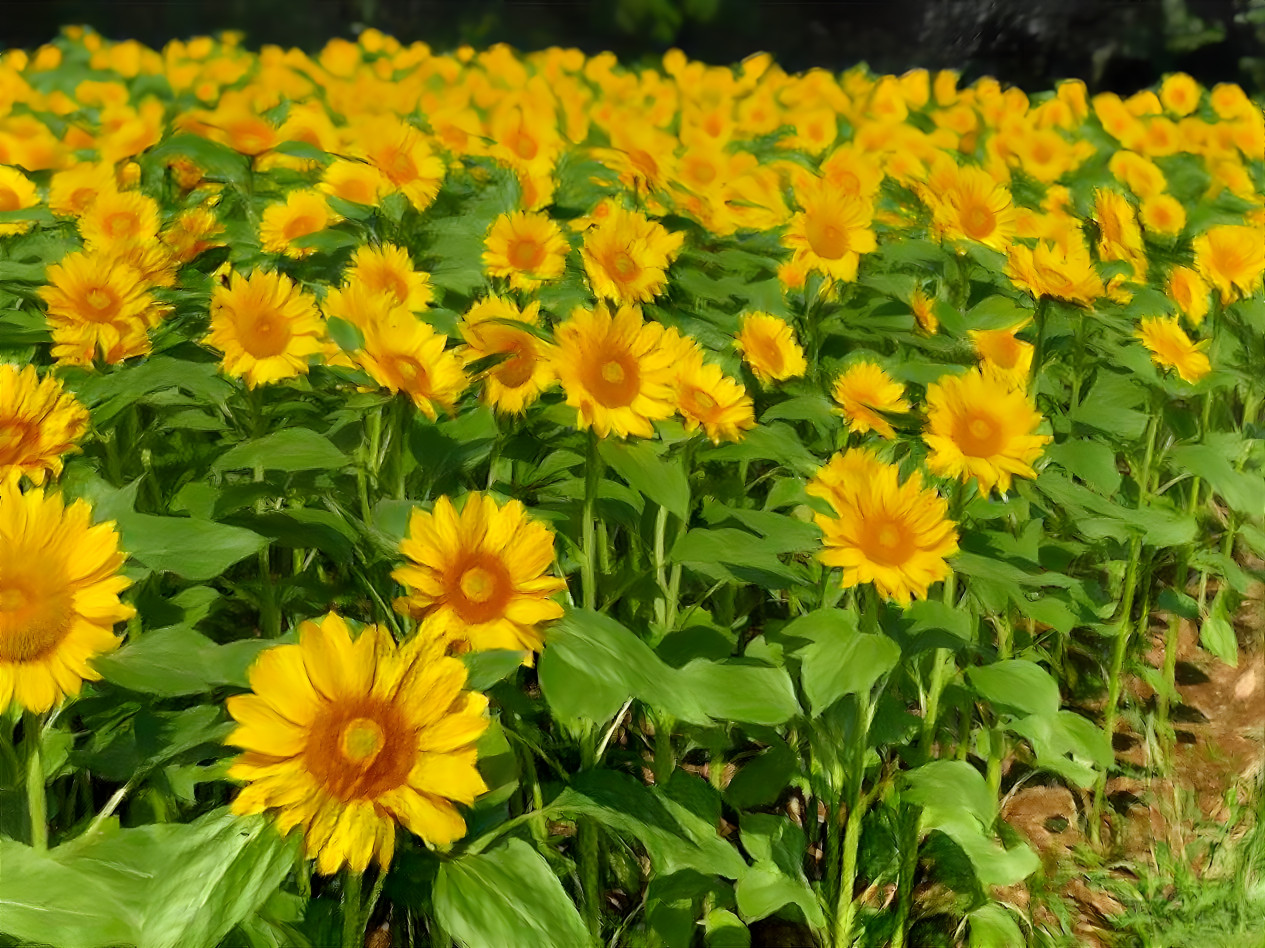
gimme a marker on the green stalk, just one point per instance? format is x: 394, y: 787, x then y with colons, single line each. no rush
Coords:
x: 353, y: 921
x: 664, y: 758
x: 588, y: 854
x: 939, y: 672
x: 912, y: 824
x: 854, y: 803
x: 1038, y: 347
x: 588, y: 565
x: 36, y: 803
x: 996, y: 739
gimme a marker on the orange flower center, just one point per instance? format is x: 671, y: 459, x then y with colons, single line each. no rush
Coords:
x: 15, y: 435
x: 265, y: 336
x: 100, y: 302
x: 767, y: 354
x: 518, y: 368
x: 120, y: 224
x: 9, y: 200
x: 827, y: 240
x: 525, y: 253
x: 34, y: 615
x: 360, y: 748
x: 481, y: 589
x: 979, y: 436
x: 614, y: 380
x: 524, y: 146
x: 413, y: 375
x: 82, y: 197
x: 978, y: 222
x: 362, y: 741
x: 886, y: 542
x: 704, y: 172
x: 300, y: 226
x: 623, y: 267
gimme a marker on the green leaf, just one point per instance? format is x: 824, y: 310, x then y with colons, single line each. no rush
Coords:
x: 1016, y: 686
x: 929, y: 615
x: 735, y: 555
x: 744, y: 693
x: 993, y: 926
x: 165, y: 885
x: 760, y: 781
x: 772, y: 442
x: 194, y: 549
x: 843, y: 661
x: 1212, y: 461
x: 179, y: 661
x: 996, y: 312
x: 487, y: 668
x: 951, y: 785
x: 291, y: 449
x: 765, y: 888
x: 1092, y: 461
x: 1109, y: 407
x: 506, y: 896
x: 659, y: 479
x: 1216, y: 634
x: 218, y: 162
x: 723, y: 929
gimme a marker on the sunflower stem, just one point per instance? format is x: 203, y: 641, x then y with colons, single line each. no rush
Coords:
x: 1038, y: 347
x: 592, y: 481
x: 851, y: 812
x: 588, y: 851
x: 353, y: 918
x: 36, y: 804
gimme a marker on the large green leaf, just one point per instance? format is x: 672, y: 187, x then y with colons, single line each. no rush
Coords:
x: 660, y: 479
x: 179, y: 661
x: 843, y: 661
x: 291, y: 449
x: 194, y: 549
x: 1016, y: 686
x: 506, y: 896
x: 165, y: 885
x: 740, y: 692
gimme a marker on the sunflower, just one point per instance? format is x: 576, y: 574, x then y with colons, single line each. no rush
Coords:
x: 192, y: 232
x: 404, y: 354
x: 97, y: 304
x: 975, y: 206
x: 59, y: 596
x: 1063, y: 271
x: 866, y: 394
x: 1232, y: 258
x: 840, y: 479
x: 39, y: 422
x: 17, y: 193
x: 893, y: 535
x: 923, y: 306
x: 1186, y: 288
x: 706, y: 396
x: 71, y: 191
x: 615, y: 370
x: 1119, y: 236
x: 627, y: 256
x: 979, y: 426
x: 768, y: 345
x: 355, y: 181
x: 516, y: 381
x: 832, y: 231
x: 387, y: 268
x: 301, y: 214
x: 401, y: 153
x: 1170, y: 347
x: 119, y: 218
x: 348, y: 737
x: 480, y: 575
x: 528, y: 248
x: 1003, y: 354
x: 265, y: 326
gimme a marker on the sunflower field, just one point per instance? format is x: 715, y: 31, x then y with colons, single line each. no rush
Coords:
x: 497, y: 499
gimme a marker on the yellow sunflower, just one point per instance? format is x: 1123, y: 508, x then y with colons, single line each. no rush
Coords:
x: 97, y: 304
x: 706, y: 396
x: 615, y: 370
x: 893, y: 535
x: 59, y: 596
x: 1232, y: 258
x: 832, y: 231
x: 975, y: 206
x: 866, y: 394
x: 979, y: 426
x: 480, y: 576
x: 17, y: 193
x: 265, y: 326
x: 528, y: 248
x: 387, y: 268
x: 840, y: 479
x: 1163, y: 214
x: 348, y: 737
x: 769, y: 347
x: 1170, y: 347
x: 301, y: 214
x: 39, y: 422
x: 1003, y: 354
x: 404, y: 354
x: 1119, y: 236
x: 1063, y: 271
x: 1186, y: 288
x: 627, y: 255
x: 71, y: 191
x: 526, y: 371
x: 118, y: 218
x: 924, y: 310
x: 355, y: 181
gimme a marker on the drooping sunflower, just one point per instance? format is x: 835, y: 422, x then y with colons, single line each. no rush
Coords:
x: 627, y: 255
x: 866, y: 394
x: 304, y: 212
x: 979, y: 426
x: 348, y: 737
x: 17, y: 192
x: 923, y: 306
x: 404, y: 354
x: 1060, y: 270
x: 526, y: 371
x: 706, y: 396
x: 615, y: 370
x: 1187, y: 289
x: 98, y: 305
x: 39, y: 422
x: 265, y: 326
x: 59, y: 596
x: 1170, y: 347
x: 893, y: 535
x: 832, y: 231
x: 769, y: 347
x: 1232, y: 258
x: 1119, y: 236
x: 387, y: 268
x: 119, y: 218
x: 480, y: 576
x: 527, y: 248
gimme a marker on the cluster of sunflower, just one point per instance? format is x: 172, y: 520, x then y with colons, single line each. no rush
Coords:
x: 272, y: 208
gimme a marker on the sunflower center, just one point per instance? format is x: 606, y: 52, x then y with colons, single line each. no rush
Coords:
x: 119, y: 224
x: 768, y: 354
x: 828, y: 241
x: 518, y: 368
x: 978, y: 222
x: 396, y: 285
x: 300, y: 226
x: 82, y: 197
x: 413, y: 374
x: 33, y: 619
x: 703, y: 402
x: 615, y: 381
x: 704, y: 171
x: 623, y: 266
x: 362, y: 741
x: 979, y: 436
x: 9, y: 200
x: 482, y: 589
x: 265, y: 336
x: 887, y: 542
x: 401, y: 168
x: 525, y: 253
x: 100, y: 303
x: 848, y: 182
x: 14, y: 435
x: 525, y: 146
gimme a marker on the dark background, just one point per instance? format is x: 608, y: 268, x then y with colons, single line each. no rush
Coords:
x: 1118, y: 45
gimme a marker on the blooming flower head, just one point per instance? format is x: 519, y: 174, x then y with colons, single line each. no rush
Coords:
x: 404, y: 354
x: 265, y: 326
x: 526, y: 247
x: 1232, y: 258
x: 301, y: 214
x: 1163, y: 214
x: 481, y: 575
x: 1170, y: 347
x: 706, y: 397
x: 526, y: 369
x: 832, y: 231
x: 1004, y: 355
x: 39, y: 422
x: 866, y: 394
x: 1187, y: 289
x: 387, y: 269
x: 357, y: 181
x: 347, y: 738
x: 979, y: 425
x: 98, y: 305
x: 119, y: 218
x: 840, y: 479
x: 627, y: 255
x: 17, y: 192
x: 893, y: 535
x: 1062, y: 271
x: 769, y: 347
x: 974, y: 206
x: 924, y: 310
x: 59, y: 596
x: 615, y: 370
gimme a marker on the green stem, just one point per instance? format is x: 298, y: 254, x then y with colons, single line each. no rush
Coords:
x: 36, y: 804
x: 1038, y: 346
x: 664, y: 758
x: 846, y: 913
x: 940, y: 662
x: 588, y: 566
x: 353, y: 920
x: 996, y: 739
x: 588, y: 845
x: 912, y: 825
